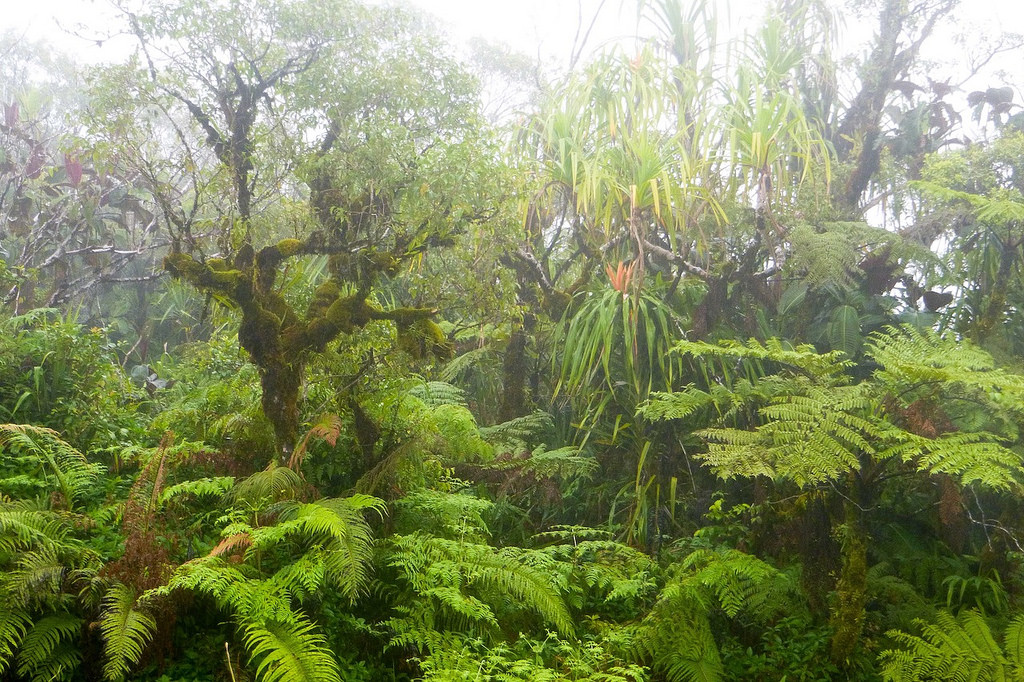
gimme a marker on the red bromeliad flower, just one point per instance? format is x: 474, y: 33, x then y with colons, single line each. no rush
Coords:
x: 621, y: 276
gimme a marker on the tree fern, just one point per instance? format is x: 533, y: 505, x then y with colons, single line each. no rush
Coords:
x: 126, y: 630
x: 968, y: 457
x: 813, y: 436
x: 912, y: 358
x: 814, y: 425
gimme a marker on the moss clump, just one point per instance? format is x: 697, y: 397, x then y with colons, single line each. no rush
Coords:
x: 379, y: 262
x: 260, y: 335
x: 276, y: 303
x: 217, y: 264
x: 421, y: 337
x: 340, y: 316
x: 555, y: 303
x: 289, y: 247
x: 324, y: 295
x: 217, y: 278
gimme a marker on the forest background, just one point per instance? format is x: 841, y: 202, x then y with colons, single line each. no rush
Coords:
x: 332, y: 351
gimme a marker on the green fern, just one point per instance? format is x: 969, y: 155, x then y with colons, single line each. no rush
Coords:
x: 812, y: 425
x: 536, y: 427
x: 463, y: 585
x: 281, y: 642
x: 955, y: 648
x: 913, y: 358
x: 676, y: 635
x: 334, y: 534
x: 126, y: 630
x: 273, y: 484
x: 290, y: 652
x: 202, y: 487
x: 561, y: 463
x: 73, y: 474
x: 48, y: 650
x: 809, y: 437
x: 437, y: 393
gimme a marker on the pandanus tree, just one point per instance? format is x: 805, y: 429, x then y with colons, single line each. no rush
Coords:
x: 299, y: 129
x: 671, y: 168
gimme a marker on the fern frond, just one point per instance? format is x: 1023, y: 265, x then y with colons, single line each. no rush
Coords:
x: 913, y: 357
x: 952, y: 648
x: 328, y: 428
x: 803, y: 357
x: 202, y: 487
x: 531, y: 428
x: 289, y: 652
x: 44, y: 654
x: 437, y: 393
x: 14, y: 623
x: 433, y: 566
x: 73, y: 473
x: 126, y: 630
x: 1013, y: 644
x: 561, y: 463
x: 23, y: 526
x: 273, y: 484
x: 677, y: 405
x: 968, y: 457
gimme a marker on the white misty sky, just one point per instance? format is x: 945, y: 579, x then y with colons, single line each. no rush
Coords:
x: 544, y: 28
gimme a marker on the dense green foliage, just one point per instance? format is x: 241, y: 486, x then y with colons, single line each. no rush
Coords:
x: 310, y: 372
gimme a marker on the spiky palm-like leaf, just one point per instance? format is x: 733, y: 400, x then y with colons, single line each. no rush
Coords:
x: 126, y: 630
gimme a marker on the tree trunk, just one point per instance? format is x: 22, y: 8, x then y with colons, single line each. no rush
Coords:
x: 847, y: 618
x: 513, y: 375
x: 281, y: 382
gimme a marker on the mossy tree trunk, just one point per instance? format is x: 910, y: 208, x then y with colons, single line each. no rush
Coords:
x: 279, y: 341
x: 847, y: 618
x: 851, y: 590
